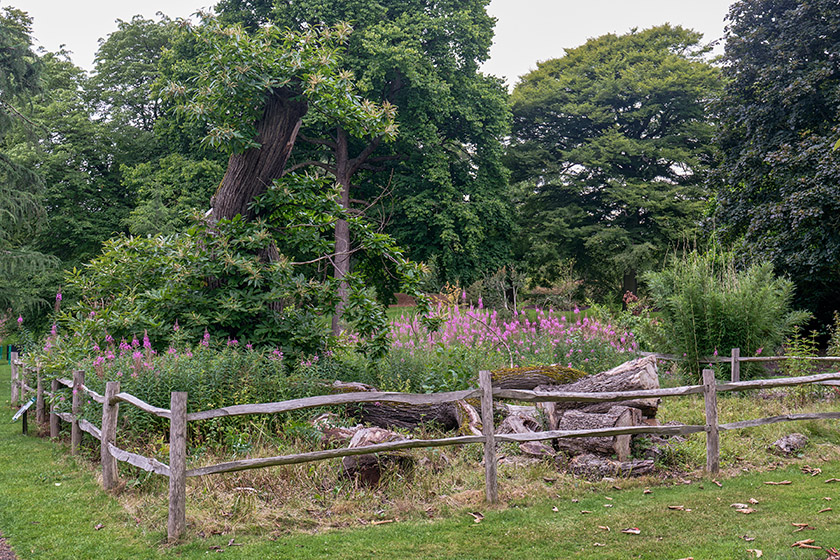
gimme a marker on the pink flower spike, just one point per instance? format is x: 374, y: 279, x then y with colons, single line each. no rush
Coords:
x: 58, y: 296
x: 20, y: 319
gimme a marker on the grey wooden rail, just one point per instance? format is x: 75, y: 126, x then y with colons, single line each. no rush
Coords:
x: 179, y: 418
x: 735, y: 360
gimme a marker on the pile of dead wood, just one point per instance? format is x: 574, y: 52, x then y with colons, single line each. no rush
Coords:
x: 599, y: 456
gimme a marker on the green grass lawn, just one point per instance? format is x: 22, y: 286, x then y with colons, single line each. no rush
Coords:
x: 50, y: 508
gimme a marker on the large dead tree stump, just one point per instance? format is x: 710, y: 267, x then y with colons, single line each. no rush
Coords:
x: 615, y: 417
x: 635, y: 375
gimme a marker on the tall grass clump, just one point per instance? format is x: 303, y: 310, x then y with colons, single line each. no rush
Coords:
x: 708, y: 306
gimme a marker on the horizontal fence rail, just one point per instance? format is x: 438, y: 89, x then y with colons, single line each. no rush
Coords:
x: 178, y: 417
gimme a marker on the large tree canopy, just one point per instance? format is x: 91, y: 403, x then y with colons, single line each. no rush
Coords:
x: 21, y: 210
x: 443, y: 182
x: 778, y: 184
x: 607, y: 145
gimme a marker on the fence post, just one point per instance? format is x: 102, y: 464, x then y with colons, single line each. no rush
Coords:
x: 489, y: 429
x: 736, y: 365
x: 40, y: 410
x: 177, y: 466
x: 15, y: 378
x: 75, y: 431
x: 109, y: 435
x: 712, y: 432
x: 53, y: 416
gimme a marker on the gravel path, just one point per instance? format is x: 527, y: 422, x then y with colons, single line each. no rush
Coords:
x: 6, y: 552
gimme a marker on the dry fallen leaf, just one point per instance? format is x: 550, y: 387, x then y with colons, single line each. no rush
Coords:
x: 477, y: 517
x: 753, y: 501
x: 585, y: 511
x: 757, y: 552
x: 608, y: 505
x: 555, y: 509
x: 781, y: 483
x: 680, y: 508
x: 745, y: 510
x: 632, y: 531
x: 231, y: 543
x: 575, y: 500
x: 687, y: 558
x: 98, y: 526
x: 807, y: 543
x: 598, y: 544
x: 603, y: 527
x: 647, y: 491
x: 384, y: 521
x: 738, y: 505
x: 813, y: 471
x: 718, y: 484
x: 826, y: 498
x: 801, y: 527
x: 823, y: 510
x: 748, y: 538
x: 832, y: 480
x: 607, y: 498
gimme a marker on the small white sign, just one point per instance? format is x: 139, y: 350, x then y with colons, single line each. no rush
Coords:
x: 23, y: 409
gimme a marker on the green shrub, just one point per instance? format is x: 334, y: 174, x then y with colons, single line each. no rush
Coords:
x: 709, y: 306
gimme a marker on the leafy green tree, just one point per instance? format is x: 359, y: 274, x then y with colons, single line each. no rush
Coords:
x: 126, y: 66
x: 608, y: 146
x: 78, y: 164
x: 21, y: 211
x: 168, y: 191
x: 778, y: 184
x: 440, y: 186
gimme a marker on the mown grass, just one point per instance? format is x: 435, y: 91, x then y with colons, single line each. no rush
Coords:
x: 50, y: 505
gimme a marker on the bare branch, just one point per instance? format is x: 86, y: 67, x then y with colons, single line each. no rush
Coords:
x: 316, y: 163
x: 320, y: 141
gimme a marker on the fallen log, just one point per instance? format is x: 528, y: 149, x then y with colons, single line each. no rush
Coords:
x: 398, y: 415
x: 638, y: 374
x: 592, y: 466
x: 528, y: 378
x: 615, y: 417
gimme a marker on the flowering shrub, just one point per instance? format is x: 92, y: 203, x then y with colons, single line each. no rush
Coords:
x: 474, y: 338
x: 214, y: 373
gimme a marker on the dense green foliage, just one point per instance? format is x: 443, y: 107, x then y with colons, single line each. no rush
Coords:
x: 608, y: 145
x: 778, y: 184
x: 21, y: 208
x: 708, y: 306
x: 441, y: 186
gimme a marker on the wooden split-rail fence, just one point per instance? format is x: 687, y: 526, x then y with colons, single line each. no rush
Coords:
x: 178, y: 416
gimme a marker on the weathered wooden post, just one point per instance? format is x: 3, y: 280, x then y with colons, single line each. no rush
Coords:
x: 177, y: 466
x: 736, y: 365
x: 110, y: 411
x: 488, y: 428
x: 75, y: 430
x: 40, y: 409
x: 712, y: 432
x: 13, y: 358
x: 54, y: 384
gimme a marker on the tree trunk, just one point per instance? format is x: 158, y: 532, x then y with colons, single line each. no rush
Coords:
x: 342, y: 232
x: 638, y: 374
x: 250, y: 173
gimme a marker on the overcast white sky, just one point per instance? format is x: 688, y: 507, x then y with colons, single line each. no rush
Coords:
x: 527, y: 31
